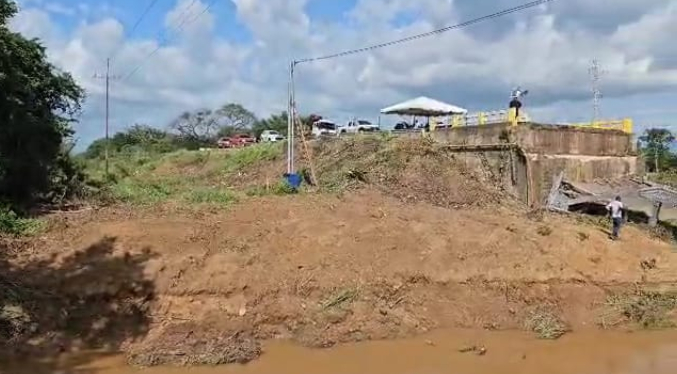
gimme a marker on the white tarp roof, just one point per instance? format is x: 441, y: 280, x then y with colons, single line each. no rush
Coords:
x: 423, y: 106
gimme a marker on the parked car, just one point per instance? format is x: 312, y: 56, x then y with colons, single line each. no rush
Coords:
x: 324, y: 127
x: 242, y: 140
x: 360, y: 125
x: 224, y: 143
x: 271, y: 136
x: 404, y: 125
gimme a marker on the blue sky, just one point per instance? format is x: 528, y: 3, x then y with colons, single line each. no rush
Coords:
x: 238, y: 51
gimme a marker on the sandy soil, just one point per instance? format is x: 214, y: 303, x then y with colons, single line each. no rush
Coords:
x: 326, y: 269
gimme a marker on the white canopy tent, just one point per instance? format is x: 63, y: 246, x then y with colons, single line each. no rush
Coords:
x: 423, y: 107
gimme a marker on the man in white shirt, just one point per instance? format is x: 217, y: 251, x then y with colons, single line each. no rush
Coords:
x: 615, y: 209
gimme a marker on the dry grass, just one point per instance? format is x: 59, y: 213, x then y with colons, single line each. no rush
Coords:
x: 647, y: 309
x: 544, y: 231
x: 344, y: 296
x: 546, y: 324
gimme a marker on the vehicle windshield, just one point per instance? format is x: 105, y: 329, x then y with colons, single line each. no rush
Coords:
x: 325, y: 125
x: 362, y: 122
x: 273, y: 132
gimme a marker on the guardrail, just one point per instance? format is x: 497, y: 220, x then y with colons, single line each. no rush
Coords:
x: 509, y: 116
x: 624, y: 125
x: 482, y: 118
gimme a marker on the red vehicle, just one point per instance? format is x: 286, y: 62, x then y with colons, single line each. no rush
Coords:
x: 242, y: 140
x: 225, y: 143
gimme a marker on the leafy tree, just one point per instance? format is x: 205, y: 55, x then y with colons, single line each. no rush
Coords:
x: 235, y: 116
x: 229, y: 131
x: 656, y: 148
x: 199, y: 126
x: 277, y: 122
x: 138, y: 137
x: 37, y: 106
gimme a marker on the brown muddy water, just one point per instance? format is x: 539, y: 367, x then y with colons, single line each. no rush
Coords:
x: 592, y: 352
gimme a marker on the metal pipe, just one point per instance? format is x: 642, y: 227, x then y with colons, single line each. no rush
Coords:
x: 292, y: 98
x: 290, y: 120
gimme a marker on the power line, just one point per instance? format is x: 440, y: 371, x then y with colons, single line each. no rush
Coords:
x: 181, y: 19
x: 181, y: 24
x: 430, y: 33
x: 161, y: 34
x: 154, y: 51
x: 143, y: 15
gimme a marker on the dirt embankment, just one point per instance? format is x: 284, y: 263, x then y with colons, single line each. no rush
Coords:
x: 397, y: 239
x: 325, y: 269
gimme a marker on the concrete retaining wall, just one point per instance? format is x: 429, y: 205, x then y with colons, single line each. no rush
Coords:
x: 563, y: 140
x: 505, y: 168
x: 543, y: 151
x: 545, y: 139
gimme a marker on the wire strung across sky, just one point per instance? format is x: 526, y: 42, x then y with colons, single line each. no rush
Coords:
x: 502, y: 13
x: 143, y: 15
x: 185, y: 21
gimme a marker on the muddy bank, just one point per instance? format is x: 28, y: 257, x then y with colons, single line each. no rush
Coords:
x: 449, y: 351
x: 323, y: 270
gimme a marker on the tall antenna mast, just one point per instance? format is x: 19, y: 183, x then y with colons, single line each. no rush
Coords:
x: 596, y: 76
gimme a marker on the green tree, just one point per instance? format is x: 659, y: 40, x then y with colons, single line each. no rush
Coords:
x: 277, y: 122
x: 656, y: 148
x: 235, y: 116
x: 199, y: 126
x: 138, y: 137
x: 37, y: 106
x: 228, y: 131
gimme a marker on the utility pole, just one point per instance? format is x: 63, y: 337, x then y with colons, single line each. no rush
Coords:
x: 596, y: 76
x: 107, y: 77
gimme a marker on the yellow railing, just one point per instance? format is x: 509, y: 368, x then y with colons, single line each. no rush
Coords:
x: 624, y: 125
x: 509, y: 116
x: 485, y: 118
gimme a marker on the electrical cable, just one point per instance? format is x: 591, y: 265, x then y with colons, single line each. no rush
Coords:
x: 182, y: 24
x: 430, y: 33
x: 143, y: 15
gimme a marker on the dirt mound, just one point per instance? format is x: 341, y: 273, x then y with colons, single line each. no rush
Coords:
x: 195, y: 344
x: 324, y: 269
x: 410, y: 169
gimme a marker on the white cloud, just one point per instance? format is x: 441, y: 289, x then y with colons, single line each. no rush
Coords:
x: 547, y: 50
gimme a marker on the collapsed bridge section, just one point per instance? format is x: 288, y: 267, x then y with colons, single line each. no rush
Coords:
x: 526, y: 158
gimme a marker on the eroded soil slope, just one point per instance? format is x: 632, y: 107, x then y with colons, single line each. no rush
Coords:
x: 323, y: 269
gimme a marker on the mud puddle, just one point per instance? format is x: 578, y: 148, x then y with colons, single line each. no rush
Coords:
x: 461, y: 352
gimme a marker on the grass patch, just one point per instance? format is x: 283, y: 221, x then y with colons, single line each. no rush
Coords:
x: 246, y: 157
x: 345, y: 296
x: 546, y: 324
x: 544, y: 231
x: 185, y: 158
x: 278, y: 189
x: 210, y: 196
x: 140, y: 192
x: 647, y: 309
x: 12, y: 224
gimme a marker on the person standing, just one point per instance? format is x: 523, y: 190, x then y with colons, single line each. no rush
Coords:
x: 616, y: 210
x: 516, y: 104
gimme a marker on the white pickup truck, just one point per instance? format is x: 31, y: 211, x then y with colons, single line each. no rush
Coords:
x: 358, y: 125
x: 326, y: 127
x: 271, y: 136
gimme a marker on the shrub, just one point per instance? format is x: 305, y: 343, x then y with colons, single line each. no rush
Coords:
x: 12, y: 224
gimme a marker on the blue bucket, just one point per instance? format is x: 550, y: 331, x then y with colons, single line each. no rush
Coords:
x: 294, y: 180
